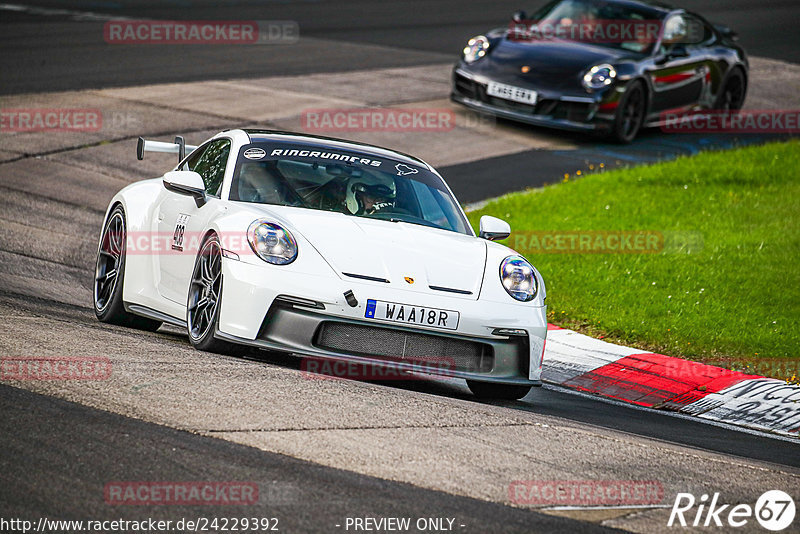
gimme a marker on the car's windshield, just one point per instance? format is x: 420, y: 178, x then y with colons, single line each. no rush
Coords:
x: 597, y: 22
x: 346, y: 182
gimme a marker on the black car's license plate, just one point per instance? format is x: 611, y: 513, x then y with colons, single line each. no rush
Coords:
x: 510, y: 92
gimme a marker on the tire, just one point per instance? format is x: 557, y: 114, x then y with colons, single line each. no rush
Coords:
x: 490, y: 390
x: 630, y: 114
x: 202, y: 306
x: 109, y: 276
x: 732, y: 95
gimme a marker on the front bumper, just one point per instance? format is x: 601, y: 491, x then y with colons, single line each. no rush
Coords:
x: 275, y: 309
x: 565, y: 112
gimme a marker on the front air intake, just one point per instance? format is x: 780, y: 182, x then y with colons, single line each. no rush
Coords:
x: 398, y: 345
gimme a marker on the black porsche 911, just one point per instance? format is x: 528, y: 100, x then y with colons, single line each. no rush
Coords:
x: 609, y: 66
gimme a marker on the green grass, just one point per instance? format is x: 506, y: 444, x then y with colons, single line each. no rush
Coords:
x: 735, y: 295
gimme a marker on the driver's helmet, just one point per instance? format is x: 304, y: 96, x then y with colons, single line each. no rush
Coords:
x: 369, y: 194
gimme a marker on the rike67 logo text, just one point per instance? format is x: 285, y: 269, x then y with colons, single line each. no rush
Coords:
x: 774, y: 510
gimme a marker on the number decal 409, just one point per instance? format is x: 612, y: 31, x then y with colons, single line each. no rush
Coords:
x: 180, y: 230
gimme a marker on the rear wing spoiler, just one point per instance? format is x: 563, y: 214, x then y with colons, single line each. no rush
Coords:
x: 179, y: 147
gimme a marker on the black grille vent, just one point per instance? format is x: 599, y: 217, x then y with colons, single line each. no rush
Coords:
x: 466, y: 87
x: 399, y: 345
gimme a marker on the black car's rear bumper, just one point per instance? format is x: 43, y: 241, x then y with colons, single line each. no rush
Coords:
x: 566, y: 112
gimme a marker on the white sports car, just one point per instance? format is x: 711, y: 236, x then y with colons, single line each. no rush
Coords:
x: 326, y: 249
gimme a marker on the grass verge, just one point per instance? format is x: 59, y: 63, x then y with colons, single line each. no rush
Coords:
x: 723, y: 286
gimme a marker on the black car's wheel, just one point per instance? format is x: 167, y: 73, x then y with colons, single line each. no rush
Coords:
x: 490, y: 390
x: 205, y: 291
x: 630, y: 114
x: 731, y: 97
x: 109, y: 276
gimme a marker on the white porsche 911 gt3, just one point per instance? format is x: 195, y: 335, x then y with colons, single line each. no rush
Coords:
x: 325, y: 249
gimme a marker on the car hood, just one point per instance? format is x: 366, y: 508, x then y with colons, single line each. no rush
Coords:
x: 554, y: 65
x: 391, y: 251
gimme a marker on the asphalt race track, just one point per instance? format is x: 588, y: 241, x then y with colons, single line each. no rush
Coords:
x: 320, y: 450
x: 348, y: 36
x: 304, y: 496
x: 391, y: 34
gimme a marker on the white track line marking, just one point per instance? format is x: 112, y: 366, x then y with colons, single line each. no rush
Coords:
x: 55, y: 12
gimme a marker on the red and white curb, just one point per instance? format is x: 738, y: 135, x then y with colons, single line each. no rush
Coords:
x: 626, y: 374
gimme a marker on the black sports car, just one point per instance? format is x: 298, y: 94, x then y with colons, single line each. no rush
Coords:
x: 612, y: 66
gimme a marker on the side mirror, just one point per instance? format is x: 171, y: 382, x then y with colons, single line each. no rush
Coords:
x: 186, y: 183
x: 726, y: 32
x: 677, y: 51
x: 494, y: 229
x: 519, y: 16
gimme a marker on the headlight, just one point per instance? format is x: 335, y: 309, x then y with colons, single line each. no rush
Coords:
x: 517, y: 277
x: 599, y: 76
x: 271, y: 242
x: 476, y: 48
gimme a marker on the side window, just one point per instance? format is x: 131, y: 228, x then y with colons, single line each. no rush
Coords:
x: 674, y: 32
x: 707, y: 36
x: 684, y: 30
x: 190, y: 163
x: 210, y: 164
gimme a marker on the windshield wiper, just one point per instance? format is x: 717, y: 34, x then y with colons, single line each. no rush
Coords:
x: 418, y: 222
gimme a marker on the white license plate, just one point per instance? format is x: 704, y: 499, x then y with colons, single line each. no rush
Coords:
x: 509, y: 92
x: 408, y: 314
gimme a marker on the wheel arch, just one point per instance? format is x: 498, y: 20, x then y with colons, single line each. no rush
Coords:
x: 137, y: 201
x: 741, y: 70
x: 111, y: 207
x: 212, y: 230
x: 646, y: 84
